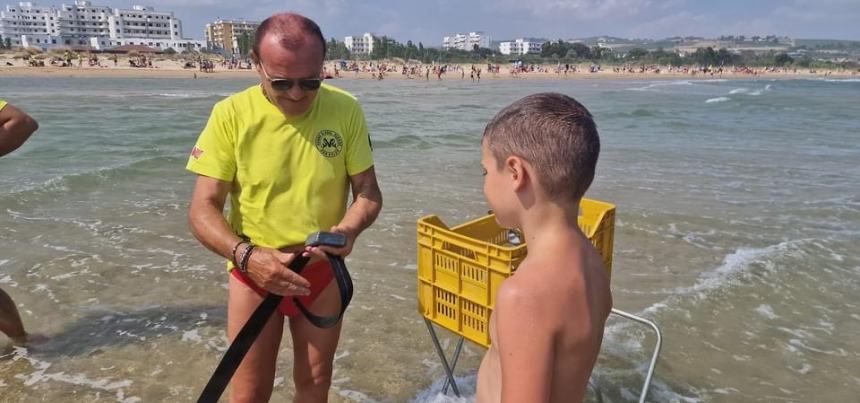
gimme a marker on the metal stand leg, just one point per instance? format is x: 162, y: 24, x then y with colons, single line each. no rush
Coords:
x: 453, y: 365
x: 654, y: 355
x: 449, y: 370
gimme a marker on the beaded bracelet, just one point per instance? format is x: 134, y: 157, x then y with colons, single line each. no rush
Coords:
x: 243, y: 265
x: 233, y: 253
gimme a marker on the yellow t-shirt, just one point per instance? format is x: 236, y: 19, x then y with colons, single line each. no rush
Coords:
x: 2, y: 104
x: 290, y: 174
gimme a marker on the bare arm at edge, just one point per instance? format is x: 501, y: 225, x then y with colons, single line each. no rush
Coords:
x: 15, y: 128
x: 267, y: 267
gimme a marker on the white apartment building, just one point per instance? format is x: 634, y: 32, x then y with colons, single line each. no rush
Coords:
x: 360, y: 45
x: 466, y: 41
x: 225, y: 34
x: 520, y: 47
x: 100, y: 27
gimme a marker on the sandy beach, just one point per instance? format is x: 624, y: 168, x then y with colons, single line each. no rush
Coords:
x: 170, y: 68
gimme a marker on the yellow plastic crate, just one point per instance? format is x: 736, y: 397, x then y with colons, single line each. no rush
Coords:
x: 460, y: 268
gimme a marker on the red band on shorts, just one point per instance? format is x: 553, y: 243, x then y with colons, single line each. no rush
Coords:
x: 319, y: 274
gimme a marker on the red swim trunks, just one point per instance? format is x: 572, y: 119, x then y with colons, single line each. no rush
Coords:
x: 319, y: 274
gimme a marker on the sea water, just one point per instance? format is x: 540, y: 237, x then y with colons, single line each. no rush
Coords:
x: 738, y: 232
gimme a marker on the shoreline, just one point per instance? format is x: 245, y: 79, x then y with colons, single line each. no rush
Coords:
x: 172, y: 70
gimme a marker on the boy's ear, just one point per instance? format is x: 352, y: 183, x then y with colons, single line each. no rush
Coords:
x: 515, y: 169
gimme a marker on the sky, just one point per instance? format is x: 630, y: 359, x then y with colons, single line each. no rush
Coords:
x: 428, y: 21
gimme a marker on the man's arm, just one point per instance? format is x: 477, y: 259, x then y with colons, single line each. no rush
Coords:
x: 15, y: 128
x: 525, y: 345
x: 365, y: 207
x: 266, y: 267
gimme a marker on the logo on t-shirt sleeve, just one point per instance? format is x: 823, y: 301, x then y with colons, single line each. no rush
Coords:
x: 329, y: 143
x: 196, y: 152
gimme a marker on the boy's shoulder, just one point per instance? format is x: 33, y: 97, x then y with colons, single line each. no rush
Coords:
x: 555, y: 286
x: 528, y: 294
x: 520, y: 304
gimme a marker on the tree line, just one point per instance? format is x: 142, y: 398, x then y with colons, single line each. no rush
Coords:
x: 568, y: 53
x: 560, y: 52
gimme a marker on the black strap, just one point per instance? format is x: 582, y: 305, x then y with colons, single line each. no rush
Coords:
x: 243, y: 341
x: 249, y: 333
x: 344, y: 284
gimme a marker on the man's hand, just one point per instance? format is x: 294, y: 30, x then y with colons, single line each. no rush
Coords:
x: 269, y: 269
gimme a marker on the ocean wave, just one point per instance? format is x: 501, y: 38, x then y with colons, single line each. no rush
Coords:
x: 658, y: 84
x: 841, y: 80
x: 404, y: 142
x: 61, y: 183
x: 717, y: 100
x: 761, y: 91
x: 739, y: 91
x: 733, y: 264
x: 189, y: 95
x: 175, y: 95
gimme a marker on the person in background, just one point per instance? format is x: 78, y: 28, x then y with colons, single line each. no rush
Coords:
x: 15, y: 128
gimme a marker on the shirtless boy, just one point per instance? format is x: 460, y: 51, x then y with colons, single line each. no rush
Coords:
x: 539, y: 156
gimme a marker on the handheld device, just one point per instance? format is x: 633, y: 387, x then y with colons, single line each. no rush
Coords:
x: 323, y: 238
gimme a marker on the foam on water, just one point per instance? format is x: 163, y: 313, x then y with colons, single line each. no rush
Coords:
x: 658, y: 84
x: 433, y: 394
x: 841, y: 80
x: 41, y: 375
x: 717, y: 99
x: 186, y: 95
x: 733, y: 265
x: 175, y: 95
x: 766, y: 311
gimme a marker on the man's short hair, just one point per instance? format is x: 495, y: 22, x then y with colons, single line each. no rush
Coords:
x: 555, y: 134
x: 293, y: 30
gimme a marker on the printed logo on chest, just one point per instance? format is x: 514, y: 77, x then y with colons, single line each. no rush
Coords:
x: 329, y: 143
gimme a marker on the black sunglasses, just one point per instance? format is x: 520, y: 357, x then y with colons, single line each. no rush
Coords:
x: 285, y: 84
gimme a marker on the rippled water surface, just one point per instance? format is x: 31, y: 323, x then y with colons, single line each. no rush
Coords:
x: 738, y: 227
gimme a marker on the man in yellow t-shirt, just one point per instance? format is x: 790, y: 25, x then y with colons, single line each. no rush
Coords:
x: 15, y: 128
x: 287, y: 152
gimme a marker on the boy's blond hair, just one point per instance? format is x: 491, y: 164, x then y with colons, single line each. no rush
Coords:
x: 555, y: 134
